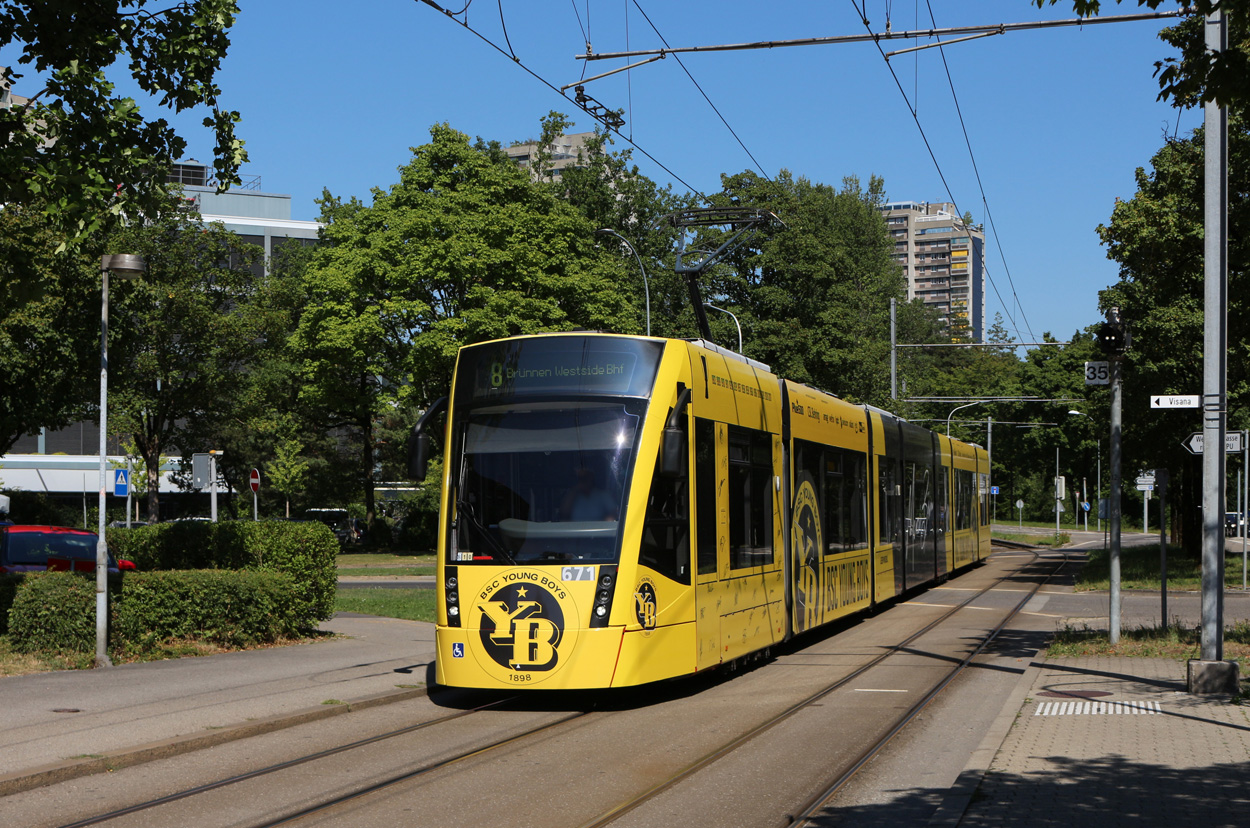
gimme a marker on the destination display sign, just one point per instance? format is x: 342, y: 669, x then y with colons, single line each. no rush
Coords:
x: 576, y: 365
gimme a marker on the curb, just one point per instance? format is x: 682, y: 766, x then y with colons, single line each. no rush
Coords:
x: 956, y: 801
x: 165, y: 748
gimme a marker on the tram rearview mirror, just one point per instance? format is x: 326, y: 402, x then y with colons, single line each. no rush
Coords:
x: 418, y: 457
x: 673, y: 453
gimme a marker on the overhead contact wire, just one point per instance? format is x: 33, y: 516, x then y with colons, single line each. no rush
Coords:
x: 923, y: 137
x: 556, y: 89
x: 701, y: 92
x: 989, y: 215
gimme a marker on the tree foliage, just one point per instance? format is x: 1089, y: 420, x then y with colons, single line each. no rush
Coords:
x: 81, y: 150
x: 49, y: 327
x: 465, y: 247
x: 813, y: 297
x: 181, y: 337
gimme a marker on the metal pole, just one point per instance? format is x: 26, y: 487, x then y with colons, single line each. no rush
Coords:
x: 1214, y: 360
x: 894, y: 353
x: 1057, y: 500
x: 1099, y: 498
x: 1114, y: 503
x: 130, y: 487
x: 101, y: 547
x: 646, y: 287
x: 212, y: 484
x: 731, y: 316
x: 1161, y: 479
x: 1145, y: 512
x: 1245, y: 495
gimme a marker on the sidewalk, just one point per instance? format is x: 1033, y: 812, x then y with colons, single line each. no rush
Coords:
x: 68, y: 724
x: 1108, y: 742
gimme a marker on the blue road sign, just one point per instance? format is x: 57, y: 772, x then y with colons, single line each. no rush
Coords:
x: 994, y: 490
x: 121, y: 483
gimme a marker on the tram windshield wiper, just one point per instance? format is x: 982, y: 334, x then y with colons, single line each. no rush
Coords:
x: 500, y: 551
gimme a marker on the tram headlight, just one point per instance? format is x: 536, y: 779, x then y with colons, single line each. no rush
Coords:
x: 603, y: 597
x: 451, y: 594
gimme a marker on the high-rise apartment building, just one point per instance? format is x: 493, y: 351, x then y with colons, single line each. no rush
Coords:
x: 565, y: 150
x: 943, y: 257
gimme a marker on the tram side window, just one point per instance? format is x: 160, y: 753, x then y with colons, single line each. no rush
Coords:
x: 890, y: 491
x: 964, y: 489
x: 846, y: 501
x: 750, y: 498
x: 666, y: 531
x: 705, y: 493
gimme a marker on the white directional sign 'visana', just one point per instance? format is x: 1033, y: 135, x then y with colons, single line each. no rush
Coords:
x: 1175, y: 401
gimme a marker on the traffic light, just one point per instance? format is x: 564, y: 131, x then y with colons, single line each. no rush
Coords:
x: 1113, y: 336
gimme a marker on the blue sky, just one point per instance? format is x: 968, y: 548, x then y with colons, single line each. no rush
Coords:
x: 333, y: 95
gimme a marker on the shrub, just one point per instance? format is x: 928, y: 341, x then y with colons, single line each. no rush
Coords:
x: 223, y: 607
x: 54, y: 611
x: 304, y: 550
x: 8, y: 589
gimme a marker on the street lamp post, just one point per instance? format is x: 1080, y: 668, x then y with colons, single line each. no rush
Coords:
x: 646, y: 288
x: 731, y: 316
x: 125, y: 266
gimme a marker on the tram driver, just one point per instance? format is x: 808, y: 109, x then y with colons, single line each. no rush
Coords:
x: 586, y: 501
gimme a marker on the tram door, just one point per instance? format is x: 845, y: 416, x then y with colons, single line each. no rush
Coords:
x: 711, y: 516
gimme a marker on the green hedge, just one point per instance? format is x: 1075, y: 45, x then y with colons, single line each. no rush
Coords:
x: 304, y: 550
x: 55, y: 611
x: 8, y: 589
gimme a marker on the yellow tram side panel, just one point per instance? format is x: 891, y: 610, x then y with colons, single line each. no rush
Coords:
x: 749, y: 603
x: 983, y: 524
x: 845, y: 579
x: 962, y: 549
x: 882, y: 552
x: 667, y: 648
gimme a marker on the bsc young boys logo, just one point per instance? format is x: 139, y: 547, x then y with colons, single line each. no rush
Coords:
x: 522, y: 626
x: 805, y: 540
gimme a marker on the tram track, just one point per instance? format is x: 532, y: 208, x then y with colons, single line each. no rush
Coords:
x: 358, y: 799
x: 330, y: 753
x: 804, y: 814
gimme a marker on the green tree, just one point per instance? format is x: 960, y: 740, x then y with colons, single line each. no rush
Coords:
x: 1157, y: 239
x: 180, y: 337
x: 49, y: 327
x: 465, y: 247
x: 813, y: 297
x: 83, y: 152
x: 288, y: 470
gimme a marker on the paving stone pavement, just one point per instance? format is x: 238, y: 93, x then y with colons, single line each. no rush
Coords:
x: 1087, y: 764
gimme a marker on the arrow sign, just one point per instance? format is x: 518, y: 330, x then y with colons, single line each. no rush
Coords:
x: 121, y: 483
x: 1194, y: 442
x: 1175, y: 401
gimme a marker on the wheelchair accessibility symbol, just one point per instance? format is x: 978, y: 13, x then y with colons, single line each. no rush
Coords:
x: 457, y: 650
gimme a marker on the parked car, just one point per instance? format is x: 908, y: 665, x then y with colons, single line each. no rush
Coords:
x: 36, y: 548
x: 1234, y: 524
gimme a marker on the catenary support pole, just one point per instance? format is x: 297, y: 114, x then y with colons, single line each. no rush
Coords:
x: 1214, y: 360
x: 1114, y: 512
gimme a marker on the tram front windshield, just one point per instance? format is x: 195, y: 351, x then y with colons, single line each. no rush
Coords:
x: 543, y: 482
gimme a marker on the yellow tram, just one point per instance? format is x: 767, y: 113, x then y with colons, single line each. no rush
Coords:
x: 618, y: 510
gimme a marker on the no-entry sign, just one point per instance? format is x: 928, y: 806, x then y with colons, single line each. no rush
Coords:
x: 254, y: 480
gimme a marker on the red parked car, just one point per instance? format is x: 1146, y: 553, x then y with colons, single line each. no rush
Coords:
x: 36, y: 548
